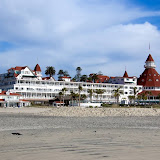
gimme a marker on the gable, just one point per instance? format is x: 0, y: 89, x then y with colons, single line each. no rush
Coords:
x: 27, y: 72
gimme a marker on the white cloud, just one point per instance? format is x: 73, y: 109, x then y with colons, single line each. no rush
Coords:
x: 70, y: 33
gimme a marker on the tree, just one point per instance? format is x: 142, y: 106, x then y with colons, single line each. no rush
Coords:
x: 50, y: 71
x: 131, y: 98
x: 89, y: 79
x: 117, y: 94
x: 65, y: 73
x: 60, y: 96
x: 149, y: 94
x: 135, y: 91
x: 90, y: 91
x: 99, y: 91
x: 83, y: 96
x: 94, y: 78
x: 79, y: 92
x: 143, y: 96
x: 83, y: 78
x: 64, y: 91
x: 60, y: 73
x: 72, y: 94
x: 73, y: 79
x: 139, y: 97
x: 78, y: 75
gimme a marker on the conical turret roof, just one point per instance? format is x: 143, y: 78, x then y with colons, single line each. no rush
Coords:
x: 150, y: 77
x: 125, y: 74
x: 37, y: 68
x: 149, y: 59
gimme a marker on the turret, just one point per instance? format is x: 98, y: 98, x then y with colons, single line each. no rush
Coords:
x: 37, y: 70
x: 150, y: 62
x: 125, y: 74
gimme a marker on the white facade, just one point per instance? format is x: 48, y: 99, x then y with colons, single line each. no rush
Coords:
x: 33, y: 87
x: 8, y: 99
x: 123, y: 80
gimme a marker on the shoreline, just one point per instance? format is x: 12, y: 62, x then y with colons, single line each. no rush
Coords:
x: 82, y: 112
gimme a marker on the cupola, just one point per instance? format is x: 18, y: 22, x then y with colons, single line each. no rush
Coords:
x: 150, y: 62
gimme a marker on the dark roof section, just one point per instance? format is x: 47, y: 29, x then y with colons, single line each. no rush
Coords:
x: 149, y: 78
x: 125, y: 74
x: 149, y: 59
x: 37, y: 68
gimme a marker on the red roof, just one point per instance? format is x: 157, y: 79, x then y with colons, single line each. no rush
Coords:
x: 47, y: 78
x: 149, y: 78
x: 153, y: 93
x: 59, y: 102
x: 37, y: 68
x: 102, y: 78
x: 149, y: 59
x: 17, y: 68
x: 15, y: 75
x: 24, y: 100
x: 65, y: 77
x: 125, y: 74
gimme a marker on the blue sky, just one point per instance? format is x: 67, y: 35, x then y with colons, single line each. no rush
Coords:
x: 97, y: 35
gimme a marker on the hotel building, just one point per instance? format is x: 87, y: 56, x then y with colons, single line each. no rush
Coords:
x: 33, y: 87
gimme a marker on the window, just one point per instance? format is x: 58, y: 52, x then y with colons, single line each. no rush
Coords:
x: 157, y: 80
x: 150, y: 80
x: 126, y: 92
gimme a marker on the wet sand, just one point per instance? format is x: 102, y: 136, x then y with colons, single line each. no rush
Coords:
x: 79, y: 138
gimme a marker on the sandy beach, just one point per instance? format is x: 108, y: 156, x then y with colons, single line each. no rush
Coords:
x: 77, y: 137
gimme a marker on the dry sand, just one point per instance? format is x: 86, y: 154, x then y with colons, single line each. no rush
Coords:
x: 83, y: 112
x: 77, y: 138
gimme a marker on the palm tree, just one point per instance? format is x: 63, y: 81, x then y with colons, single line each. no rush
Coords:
x: 135, y: 91
x: 64, y: 91
x: 148, y: 93
x: 60, y: 96
x: 72, y: 94
x: 143, y: 96
x: 60, y: 73
x: 73, y: 79
x: 83, y: 78
x: 139, y: 97
x: 79, y: 92
x: 131, y: 98
x: 50, y: 71
x: 94, y: 78
x: 65, y: 73
x: 90, y: 91
x: 83, y: 96
x: 78, y: 70
x: 117, y: 94
x: 99, y: 91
